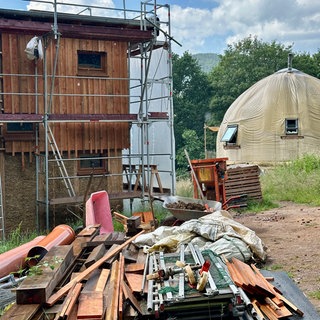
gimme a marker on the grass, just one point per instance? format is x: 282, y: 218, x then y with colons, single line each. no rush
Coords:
x: 297, y: 181
x: 15, y: 239
x: 315, y: 294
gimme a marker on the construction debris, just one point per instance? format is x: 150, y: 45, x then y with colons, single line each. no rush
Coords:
x: 106, y: 276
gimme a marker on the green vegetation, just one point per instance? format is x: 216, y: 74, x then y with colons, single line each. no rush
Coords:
x: 297, y: 181
x: 16, y: 238
x: 315, y: 294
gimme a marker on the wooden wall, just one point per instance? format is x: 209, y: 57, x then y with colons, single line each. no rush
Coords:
x: 76, y: 94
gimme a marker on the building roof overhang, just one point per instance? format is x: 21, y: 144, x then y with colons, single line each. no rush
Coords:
x: 74, y: 26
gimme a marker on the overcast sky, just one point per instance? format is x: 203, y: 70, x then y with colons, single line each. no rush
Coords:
x: 203, y: 26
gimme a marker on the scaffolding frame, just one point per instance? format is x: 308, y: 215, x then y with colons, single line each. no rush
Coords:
x: 142, y: 120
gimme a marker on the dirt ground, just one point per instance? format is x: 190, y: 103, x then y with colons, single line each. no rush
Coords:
x: 291, y: 234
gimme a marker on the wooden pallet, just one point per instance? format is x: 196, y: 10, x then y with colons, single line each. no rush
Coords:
x: 243, y: 180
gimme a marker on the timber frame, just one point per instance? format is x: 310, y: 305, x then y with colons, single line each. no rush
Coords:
x: 74, y: 115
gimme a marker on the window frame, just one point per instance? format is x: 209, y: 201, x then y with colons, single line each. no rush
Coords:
x: 22, y: 134
x: 232, y: 136
x: 290, y: 129
x: 89, y: 69
x: 88, y: 170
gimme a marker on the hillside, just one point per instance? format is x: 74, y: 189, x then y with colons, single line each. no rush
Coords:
x: 206, y: 60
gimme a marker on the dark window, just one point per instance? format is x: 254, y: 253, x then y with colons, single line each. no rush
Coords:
x: 92, y: 63
x: 230, y: 135
x: 91, y: 164
x: 291, y: 126
x: 19, y: 127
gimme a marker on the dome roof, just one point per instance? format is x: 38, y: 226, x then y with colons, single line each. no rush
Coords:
x: 261, y: 115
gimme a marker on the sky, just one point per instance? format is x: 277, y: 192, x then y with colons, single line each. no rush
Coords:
x: 208, y: 26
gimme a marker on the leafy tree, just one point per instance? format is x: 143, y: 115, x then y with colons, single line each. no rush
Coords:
x: 194, y: 147
x: 191, y: 97
x: 243, y: 64
x: 307, y: 63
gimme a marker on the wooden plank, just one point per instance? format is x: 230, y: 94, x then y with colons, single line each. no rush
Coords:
x: 69, y: 303
x: 99, y: 239
x: 120, y: 307
x: 21, y: 312
x: 129, y: 295
x: 89, y: 231
x: 135, y: 267
x: 62, y: 291
x: 38, y: 288
x: 112, y: 308
x: 280, y: 313
x: 134, y: 281
x: 97, y: 253
x: 103, y: 279
x: 90, y: 305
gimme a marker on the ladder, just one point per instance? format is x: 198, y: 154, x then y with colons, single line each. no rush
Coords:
x: 2, y: 231
x: 60, y: 163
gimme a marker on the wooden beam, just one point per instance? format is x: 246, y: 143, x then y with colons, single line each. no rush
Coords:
x: 56, y: 296
x: 75, y: 31
x: 96, y: 254
x: 37, y: 288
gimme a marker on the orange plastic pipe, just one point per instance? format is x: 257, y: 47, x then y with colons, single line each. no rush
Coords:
x: 60, y: 235
x: 15, y: 259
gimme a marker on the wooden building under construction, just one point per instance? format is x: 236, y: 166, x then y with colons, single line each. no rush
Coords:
x: 69, y: 104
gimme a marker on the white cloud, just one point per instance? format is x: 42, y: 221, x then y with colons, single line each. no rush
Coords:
x: 287, y: 21
x: 227, y: 21
x: 76, y: 7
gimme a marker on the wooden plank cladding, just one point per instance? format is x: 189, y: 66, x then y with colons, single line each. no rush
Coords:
x: 243, y: 180
x: 73, y: 87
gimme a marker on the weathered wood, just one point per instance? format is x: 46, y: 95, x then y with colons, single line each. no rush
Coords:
x: 97, y: 240
x: 55, y: 297
x: 112, y: 308
x: 135, y: 267
x: 129, y: 295
x: 95, y: 255
x: 89, y: 231
x: 243, y: 180
x: 110, y: 261
x: 134, y: 281
x: 121, y: 275
x: 38, y: 288
x: 21, y: 312
x: 69, y: 303
x: 103, y: 279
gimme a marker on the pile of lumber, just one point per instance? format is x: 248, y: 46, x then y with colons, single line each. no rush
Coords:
x: 266, y: 300
x: 89, y: 280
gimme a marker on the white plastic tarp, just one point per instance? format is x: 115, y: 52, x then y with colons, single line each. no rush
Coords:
x: 213, y: 231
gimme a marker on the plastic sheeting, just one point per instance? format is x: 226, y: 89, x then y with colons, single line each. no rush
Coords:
x: 216, y: 231
x: 260, y: 113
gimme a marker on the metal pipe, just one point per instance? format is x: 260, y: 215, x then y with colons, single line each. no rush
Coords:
x: 60, y: 235
x: 146, y: 264
x: 181, y: 275
x: 15, y: 259
x: 150, y: 287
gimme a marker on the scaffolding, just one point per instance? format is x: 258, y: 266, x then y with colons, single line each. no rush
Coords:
x: 149, y: 112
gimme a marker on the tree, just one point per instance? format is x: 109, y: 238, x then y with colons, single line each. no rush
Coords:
x: 243, y: 64
x: 191, y: 97
x: 194, y: 147
x: 307, y: 63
